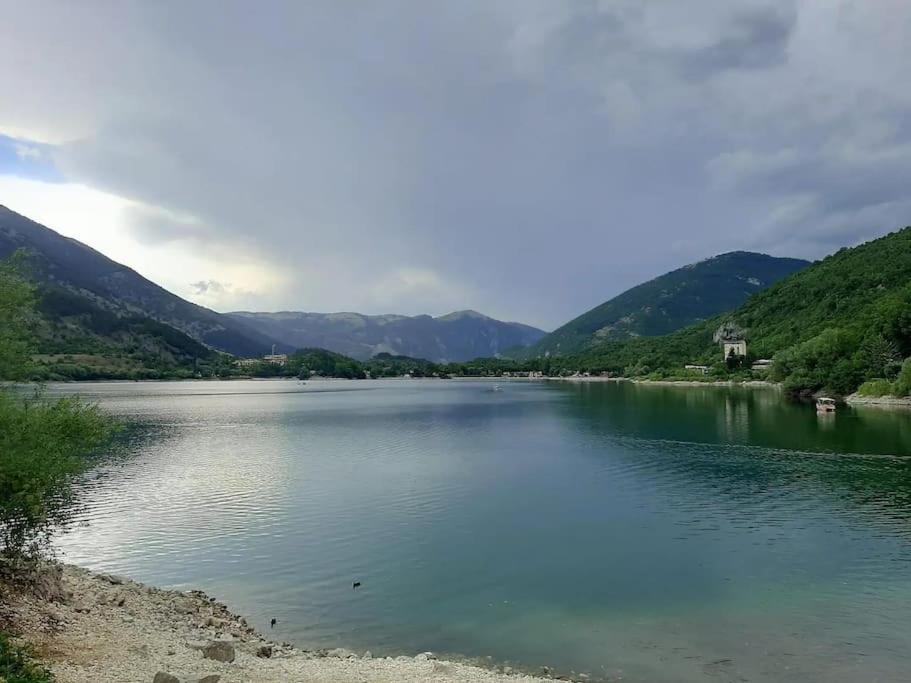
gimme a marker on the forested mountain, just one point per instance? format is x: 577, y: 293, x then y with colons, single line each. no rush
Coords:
x: 831, y: 326
x: 77, y: 339
x: 84, y: 285
x: 100, y: 318
x: 459, y: 336
x: 670, y: 302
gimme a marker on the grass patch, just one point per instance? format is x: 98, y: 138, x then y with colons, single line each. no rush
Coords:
x: 875, y: 388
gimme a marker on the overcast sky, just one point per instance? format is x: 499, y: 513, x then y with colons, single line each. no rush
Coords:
x: 525, y: 158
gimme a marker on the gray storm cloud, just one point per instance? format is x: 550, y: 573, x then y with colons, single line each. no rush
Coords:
x: 527, y: 159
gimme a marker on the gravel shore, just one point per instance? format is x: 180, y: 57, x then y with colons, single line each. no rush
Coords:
x: 93, y: 627
x: 882, y: 401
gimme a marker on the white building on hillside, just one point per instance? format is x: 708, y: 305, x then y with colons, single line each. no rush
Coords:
x: 736, y: 346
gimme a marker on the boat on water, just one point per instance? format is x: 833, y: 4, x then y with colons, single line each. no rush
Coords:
x: 824, y: 404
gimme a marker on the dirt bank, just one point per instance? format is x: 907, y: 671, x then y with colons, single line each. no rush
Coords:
x: 93, y: 627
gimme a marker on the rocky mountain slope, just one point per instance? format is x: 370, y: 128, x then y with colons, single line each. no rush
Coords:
x: 459, y: 336
x: 71, y: 269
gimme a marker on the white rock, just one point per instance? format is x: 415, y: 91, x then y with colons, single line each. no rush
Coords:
x: 341, y: 653
x: 220, y: 651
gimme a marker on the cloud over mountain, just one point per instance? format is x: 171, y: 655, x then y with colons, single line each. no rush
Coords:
x: 521, y: 157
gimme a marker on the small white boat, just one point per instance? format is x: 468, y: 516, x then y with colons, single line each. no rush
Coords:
x: 497, y: 387
x: 825, y: 404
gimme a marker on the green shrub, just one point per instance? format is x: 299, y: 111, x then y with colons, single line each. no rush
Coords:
x: 902, y: 385
x: 18, y: 666
x: 876, y: 387
x: 43, y: 445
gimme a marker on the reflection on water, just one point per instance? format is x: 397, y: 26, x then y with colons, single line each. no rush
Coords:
x: 654, y: 533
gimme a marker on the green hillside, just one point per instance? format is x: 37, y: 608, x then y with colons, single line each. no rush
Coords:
x: 76, y: 339
x: 63, y: 263
x: 831, y: 326
x: 72, y: 337
x: 670, y: 302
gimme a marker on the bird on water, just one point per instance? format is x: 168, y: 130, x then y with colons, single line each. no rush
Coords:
x: 355, y: 585
x: 273, y: 622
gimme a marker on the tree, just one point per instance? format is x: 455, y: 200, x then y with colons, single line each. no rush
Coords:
x: 17, y: 302
x: 734, y: 360
x: 43, y: 443
x: 902, y: 385
x: 880, y: 356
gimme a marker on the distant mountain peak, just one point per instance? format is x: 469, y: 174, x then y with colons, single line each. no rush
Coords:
x: 465, y: 313
x: 457, y: 336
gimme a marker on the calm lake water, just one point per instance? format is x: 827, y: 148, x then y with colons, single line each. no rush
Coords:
x: 644, y: 532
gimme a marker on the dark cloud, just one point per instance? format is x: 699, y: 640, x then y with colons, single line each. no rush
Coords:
x: 525, y: 158
x: 754, y: 38
x: 151, y: 225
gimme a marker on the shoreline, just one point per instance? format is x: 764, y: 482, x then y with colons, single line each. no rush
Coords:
x: 670, y: 382
x: 88, y: 627
x: 879, y: 401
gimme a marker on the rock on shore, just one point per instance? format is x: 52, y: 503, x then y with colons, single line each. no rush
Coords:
x: 886, y: 401
x: 95, y: 627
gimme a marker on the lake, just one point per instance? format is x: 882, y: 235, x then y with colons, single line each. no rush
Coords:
x: 651, y: 533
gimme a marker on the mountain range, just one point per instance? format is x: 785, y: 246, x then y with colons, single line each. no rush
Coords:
x: 669, y: 302
x: 90, y: 281
x: 92, y: 305
x: 458, y: 336
x: 831, y: 325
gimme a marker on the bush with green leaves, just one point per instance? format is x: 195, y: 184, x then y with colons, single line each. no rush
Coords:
x: 875, y: 388
x: 18, y: 666
x: 43, y: 443
x: 902, y: 385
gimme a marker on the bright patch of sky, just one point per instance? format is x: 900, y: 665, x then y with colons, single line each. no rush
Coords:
x: 27, y: 159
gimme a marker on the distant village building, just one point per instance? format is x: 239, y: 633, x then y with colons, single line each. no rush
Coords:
x: 732, y: 339
x: 273, y: 358
x: 736, y: 347
x: 762, y: 364
x: 276, y: 358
